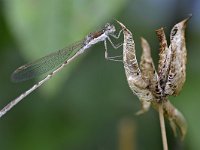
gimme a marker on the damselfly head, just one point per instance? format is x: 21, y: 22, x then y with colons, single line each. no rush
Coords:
x: 109, y: 29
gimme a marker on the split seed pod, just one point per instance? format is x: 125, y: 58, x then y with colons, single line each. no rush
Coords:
x: 153, y: 88
x: 177, y: 68
x: 133, y: 73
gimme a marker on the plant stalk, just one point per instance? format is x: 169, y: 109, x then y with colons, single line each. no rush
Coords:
x: 162, y: 127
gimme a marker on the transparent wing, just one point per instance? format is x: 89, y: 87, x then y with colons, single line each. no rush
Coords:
x: 46, y: 63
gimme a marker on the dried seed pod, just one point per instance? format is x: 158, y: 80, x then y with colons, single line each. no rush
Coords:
x: 133, y: 73
x: 145, y: 105
x: 146, y: 63
x: 177, y: 70
x: 164, y: 58
x: 147, y: 84
x: 148, y: 70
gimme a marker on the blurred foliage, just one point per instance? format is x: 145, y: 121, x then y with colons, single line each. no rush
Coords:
x: 86, y: 109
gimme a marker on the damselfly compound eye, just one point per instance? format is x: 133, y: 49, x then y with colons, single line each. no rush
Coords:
x: 109, y: 29
x: 107, y: 25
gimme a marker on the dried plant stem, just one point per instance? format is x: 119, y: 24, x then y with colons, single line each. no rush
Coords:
x: 162, y: 127
x: 174, y: 116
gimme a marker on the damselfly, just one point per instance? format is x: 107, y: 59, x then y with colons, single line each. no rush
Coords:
x: 55, y: 61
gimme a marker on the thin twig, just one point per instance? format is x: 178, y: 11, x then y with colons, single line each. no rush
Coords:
x: 162, y: 127
x: 175, y: 117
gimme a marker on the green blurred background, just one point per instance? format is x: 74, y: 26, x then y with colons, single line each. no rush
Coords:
x: 88, y: 105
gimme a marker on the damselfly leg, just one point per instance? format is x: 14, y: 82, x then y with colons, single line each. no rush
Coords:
x: 113, y: 58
